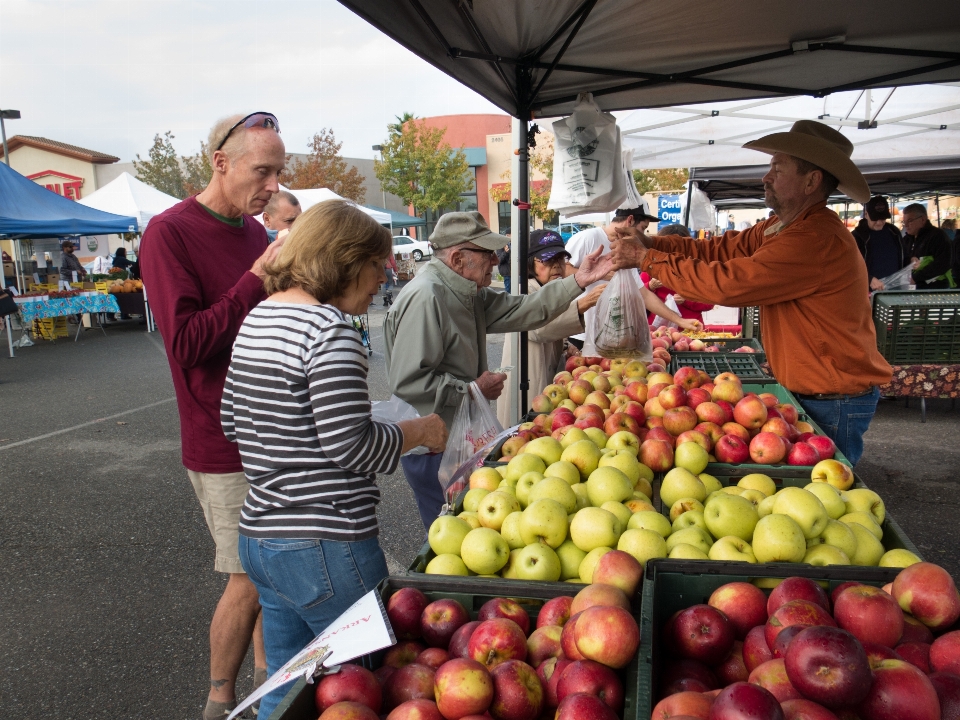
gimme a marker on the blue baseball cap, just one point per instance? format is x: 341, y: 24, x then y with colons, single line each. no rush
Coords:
x: 546, y: 245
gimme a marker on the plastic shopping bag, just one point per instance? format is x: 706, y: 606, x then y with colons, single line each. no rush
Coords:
x: 395, y: 410
x: 900, y: 280
x: 661, y: 321
x: 621, y: 328
x: 474, y: 426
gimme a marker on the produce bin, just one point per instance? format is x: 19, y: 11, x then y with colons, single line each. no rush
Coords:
x: 728, y: 344
x: 299, y: 701
x: 672, y: 585
x: 746, y: 366
x: 918, y: 326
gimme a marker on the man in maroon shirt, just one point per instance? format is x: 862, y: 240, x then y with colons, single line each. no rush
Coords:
x: 201, y: 262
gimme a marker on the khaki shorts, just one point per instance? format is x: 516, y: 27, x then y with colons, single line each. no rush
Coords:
x: 221, y: 497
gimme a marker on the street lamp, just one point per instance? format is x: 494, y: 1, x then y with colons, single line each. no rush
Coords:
x: 383, y: 193
x: 7, y: 115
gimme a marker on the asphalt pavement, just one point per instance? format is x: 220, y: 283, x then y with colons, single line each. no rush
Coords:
x: 108, y: 572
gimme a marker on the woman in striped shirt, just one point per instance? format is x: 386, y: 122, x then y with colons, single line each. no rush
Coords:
x: 296, y: 403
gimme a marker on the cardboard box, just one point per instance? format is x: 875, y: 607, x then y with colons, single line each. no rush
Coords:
x: 9, y: 270
x: 53, y: 278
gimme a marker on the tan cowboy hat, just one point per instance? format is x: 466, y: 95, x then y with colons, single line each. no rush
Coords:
x: 824, y: 147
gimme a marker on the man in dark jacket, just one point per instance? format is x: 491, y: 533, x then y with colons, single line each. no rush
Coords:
x: 928, y: 249
x: 503, y: 262
x: 880, y: 242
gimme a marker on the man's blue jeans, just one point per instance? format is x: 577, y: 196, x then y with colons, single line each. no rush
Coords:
x: 844, y: 420
x: 304, y: 586
x: 421, y: 472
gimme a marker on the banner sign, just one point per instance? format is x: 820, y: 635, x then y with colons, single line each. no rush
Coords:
x: 668, y: 209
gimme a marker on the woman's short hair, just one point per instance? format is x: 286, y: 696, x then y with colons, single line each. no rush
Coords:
x: 326, y: 249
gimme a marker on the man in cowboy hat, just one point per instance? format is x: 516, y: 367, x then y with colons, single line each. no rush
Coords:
x: 803, y: 268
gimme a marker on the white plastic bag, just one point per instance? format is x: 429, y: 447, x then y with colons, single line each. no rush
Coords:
x: 633, y: 199
x: 900, y: 280
x: 474, y: 425
x: 661, y: 321
x: 395, y: 410
x: 621, y: 322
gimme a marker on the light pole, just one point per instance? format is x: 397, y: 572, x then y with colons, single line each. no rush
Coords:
x: 7, y: 115
x: 383, y: 193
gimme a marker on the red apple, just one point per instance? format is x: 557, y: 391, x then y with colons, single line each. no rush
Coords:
x: 733, y: 669
x: 581, y: 706
x: 679, y: 669
x: 562, y: 420
x: 620, y: 421
x: 835, y: 593
x: 803, y: 454
x: 408, y: 683
x: 679, y: 420
x: 784, y: 639
x: 694, y: 436
x: 568, y: 639
x: 517, y: 693
x: 652, y: 406
x: 562, y: 377
x: 824, y: 446
x: 349, y: 711
x: 727, y: 408
x: 591, y: 677
x: 796, y: 612
x: 711, y: 412
x: 797, y: 588
x: 620, y: 570
x: 696, y: 397
x: 744, y: 605
x: 460, y: 641
x: 496, y: 641
x: 915, y: 653
x: 687, y: 378
x: 801, y: 709
x: 702, y: 632
x: 876, y: 653
x: 549, y: 672
x: 769, y: 399
x: 900, y: 692
x: 505, y: 608
x: 927, y: 592
x: 789, y: 412
x: 767, y: 449
x: 653, y: 421
x: 745, y: 701
x: 685, y: 705
x: 544, y: 643
x: 947, y: 686
x: 404, y: 609
x: 634, y: 410
x: 420, y: 709
x: 660, y: 433
x: 870, y: 615
x: 945, y: 653
x: 672, y: 396
x: 772, y: 676
x: 599, y: 594
x: 656, y: 454
x: 433, y: 657
x: 730, y: 392
x: 351, y: 684
x: 402, y: 654
x: 750, y: 412
x: 637, y: 390
x: 555, y: 611
x: 440, y: 621
x: 608, y: 635
x: 755, y: 648
x: 383, y: 672
x: 915, y: 631
x: 829, y: 666
x: 463, y: 687
x: 711, y: 430
x: 685, y: 685
x: 731, y: 449
x: 589, y: 421
x: 774, y: 414
x: 574, y: 362
x: 737, y: 430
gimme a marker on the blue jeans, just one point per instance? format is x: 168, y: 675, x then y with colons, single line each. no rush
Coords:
x: 421, y: 473
x: 304, y: 586
x: 844, y: 420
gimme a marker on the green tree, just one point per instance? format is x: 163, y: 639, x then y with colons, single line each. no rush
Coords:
x: 162, y: 170
x: 420, y: 168
x: 326, y: 168
x: 541, y: 159
x: 196, y: 171
x: 660, y: 181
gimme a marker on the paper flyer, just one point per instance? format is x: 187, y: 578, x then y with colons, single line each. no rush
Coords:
x: 363, y: 628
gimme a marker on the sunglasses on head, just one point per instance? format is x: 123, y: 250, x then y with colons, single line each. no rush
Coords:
x: 257, y: 119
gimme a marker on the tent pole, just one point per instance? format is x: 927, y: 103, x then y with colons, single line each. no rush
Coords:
x: 512, y: 340
x: 936, y: 200
x: 521, y: 243
x: 686, y: 210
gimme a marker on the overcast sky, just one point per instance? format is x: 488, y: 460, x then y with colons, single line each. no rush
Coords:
x: 110, y: 74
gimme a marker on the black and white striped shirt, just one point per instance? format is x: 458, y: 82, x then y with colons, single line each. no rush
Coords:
x: 296, y: 403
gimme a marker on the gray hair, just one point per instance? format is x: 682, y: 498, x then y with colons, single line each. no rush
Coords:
x: 275, y: 199
x: 233, y: 148
x: 915, y: 209
x: 675, y: 229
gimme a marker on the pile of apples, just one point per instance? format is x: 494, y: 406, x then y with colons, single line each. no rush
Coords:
x: 827, y: 522
x: 683, y: 342
x: 446, y: 666
x: 862, y: 653
x: 661, y: 412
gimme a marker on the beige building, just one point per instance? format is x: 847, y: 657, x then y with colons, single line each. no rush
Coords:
x: 65, y: 169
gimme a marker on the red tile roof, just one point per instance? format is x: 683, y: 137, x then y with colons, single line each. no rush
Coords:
x: 60, y: 148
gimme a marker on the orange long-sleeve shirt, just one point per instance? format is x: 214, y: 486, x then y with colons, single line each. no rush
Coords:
x: 810, y: 281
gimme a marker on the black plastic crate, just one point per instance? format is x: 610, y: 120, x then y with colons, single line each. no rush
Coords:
x: 746, y: 366
x: 918, y: 327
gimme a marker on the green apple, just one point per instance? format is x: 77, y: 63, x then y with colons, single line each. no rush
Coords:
x: 554, y: 488
x: 507, y: 487
x: 758, y: 481
x: 507, y: 484
x: 589, y: 563
x: 621, y: 511
x: 898, y: 558
x: 502, y: 469
x: 680, y: 483
x: 594, y: 527
x: 691, y: 456
x: 700, y: 539
x: 732, y: 548
x: 446, y: 534
x: 830, y: 497
x: 710, y: 483
x: 869, y: 549
x: 691, y: 518
x: 510, y: 530
x: 624, y: 441
x: 546, y: 448
x: 525, y: 485
x: 643, y: 545
x: 584, y: 454
x: 597, y: 436
x: 754, y: 496
x: 524, y: 463
x: 573, y: 435
x: 625, y: 462
x: 821, y: 555
x: 804, y: 507
x: 864, y: 500
x: 538, y: 562
x: 495, y: 507
x: 649, y: 520
x: 583, y: 498
x: 509, y: 570
x: 839, y: 535
x: 470, y: 518
x: 484, y: 551
x: 865, y: 519
x: 471, y: 501
x: 778, y: 538
x: 563, y: 469
x: 733, y: 489
x: 645, y: 484
x: 682, y: 551
x: 570, y: 558
x: 608, y: 483
x: 766, y: 506
x: 730, y: 515
x: 544, y: 521
x: 446, y: 565
x: 684, y: 505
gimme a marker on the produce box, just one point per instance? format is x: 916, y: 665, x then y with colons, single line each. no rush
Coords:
x: 918, y: 326
x: 672, y: 585
x: 745, y: 366
x: 299, y: 701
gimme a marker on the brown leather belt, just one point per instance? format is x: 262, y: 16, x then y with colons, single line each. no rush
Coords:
x: 834, y: 396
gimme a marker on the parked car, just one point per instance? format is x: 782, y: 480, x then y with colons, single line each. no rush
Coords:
x: 568, y: 230
x: 418, y: 248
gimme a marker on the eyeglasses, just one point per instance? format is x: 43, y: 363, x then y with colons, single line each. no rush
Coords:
x: 257, y: 119
x: 479, y: 250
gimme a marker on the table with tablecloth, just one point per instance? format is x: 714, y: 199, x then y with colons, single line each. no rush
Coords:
x: 31, y: 310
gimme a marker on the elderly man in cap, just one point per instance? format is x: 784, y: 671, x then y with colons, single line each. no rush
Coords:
x: 802, y: 267
x: 879, y: 242
x: 436, y: 332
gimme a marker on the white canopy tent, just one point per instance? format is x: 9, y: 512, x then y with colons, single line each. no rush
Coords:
x: 309, y: 198
x: 126, y: 195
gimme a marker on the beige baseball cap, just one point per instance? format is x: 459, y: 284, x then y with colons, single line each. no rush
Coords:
x: 457, y: 228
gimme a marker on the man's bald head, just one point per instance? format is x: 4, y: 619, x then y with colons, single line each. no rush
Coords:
x: 281, y: 211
